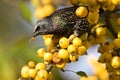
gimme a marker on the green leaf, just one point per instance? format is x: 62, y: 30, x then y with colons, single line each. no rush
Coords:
x: 81, y: 73
x: 25, y: 11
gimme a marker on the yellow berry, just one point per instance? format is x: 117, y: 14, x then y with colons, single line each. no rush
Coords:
x: 35, y: 3
x: 48, y: 42
x: 50, y: 76
x: 118, y: 21
x: 107, y: 56
x: 47, y: 36
x: 42, y: 75
x: 51, y: 48
x: 83, y: 78
x: 32, y: 73
x: 63, y: 54
x: 56, y: 59
x: 48, y: 57
x: 92, y: 39
x: 93, y: 17
x: 108, y: 46
x: 84, y: 1
x: 115, y: 62
x: 61, y: 65
x: 71, y: 49
x: 71, y: 37
x: 86, y: 44
x: 74, y: 2
x: 118, y: 35
x: 101, y: 1
x: 73, y: 57
x: 82, y: 50
x: 40, y: 66
x: 48, y: 9
x: 100, y: 31
x: 81, y: 11
x: 31, y: 64
x: 39, y: 12
x: 93, y: 2
x: 45, y: 2
x: 77, y: 42
x: 111, y: 7
x: 106, y: 3
x: 101, y: 49
x: 41, y: 52
x: 115, y: 2
x: 100, y: 40
x: 25, y: 71
x: 63, y: 42
x: 92, y: 78
x: 116, y: 43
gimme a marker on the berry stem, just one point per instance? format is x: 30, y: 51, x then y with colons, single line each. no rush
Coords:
x: 50, y: 68
x: 68, y: 71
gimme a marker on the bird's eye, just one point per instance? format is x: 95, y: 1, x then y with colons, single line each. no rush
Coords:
x: 37, y: 28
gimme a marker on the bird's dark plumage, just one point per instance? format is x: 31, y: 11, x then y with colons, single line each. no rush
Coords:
x: 61, y: 22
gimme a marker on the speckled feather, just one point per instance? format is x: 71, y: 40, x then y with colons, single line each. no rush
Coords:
x: 61, y: 22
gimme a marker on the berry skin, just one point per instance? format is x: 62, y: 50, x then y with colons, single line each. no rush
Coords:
x: 48, y: 42
x: 73, y: 57
x: 71, y: 48
x: 93, y: 17
x: 100, y: 40
x: 25, y: 72
x: 63, y: 42
x: 84, y: 1
x: 40, y: 66
x: 41, y: 52
x: 77, y: 42
x: 71, y: 37
x: 48, y: 9
x: 31, y: 64
x: 116, y: 43
x: 32, y: 73
x: 86, y: 44
x: 45, y: 2
x: 63, y: 54
x: 39, y: 12
x: 118, y: 21
x: 100, y: 31
x: 81, y: 11
x: 115, y: 2
x: 118, y: 35
x: 50, y: 76
x: 74, y: 2
x: 47, y: 36
x: 56, y: 59
x: 61, y: 65
x: 48, y: 57
x: 42, y: 75
x: 82, y: 50
x: 115, y: 62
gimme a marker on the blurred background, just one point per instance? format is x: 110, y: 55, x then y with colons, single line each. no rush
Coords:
x: 15, y: 31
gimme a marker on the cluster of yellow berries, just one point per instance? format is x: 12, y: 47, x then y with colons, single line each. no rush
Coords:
x: 43, y: 8
x: 68, y: 50
x: 36, y: 71
x: 110, y: 55
x: 93, y: 6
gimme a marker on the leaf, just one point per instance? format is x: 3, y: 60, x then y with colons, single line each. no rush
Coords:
x: 81, y: 73
x: 25, y: 11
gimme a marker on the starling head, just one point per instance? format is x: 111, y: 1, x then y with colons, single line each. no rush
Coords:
x: 42, y: 27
